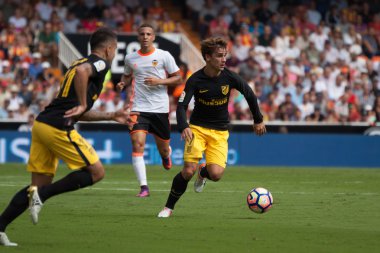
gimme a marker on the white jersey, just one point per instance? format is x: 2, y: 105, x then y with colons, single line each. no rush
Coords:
x: 156, y: 64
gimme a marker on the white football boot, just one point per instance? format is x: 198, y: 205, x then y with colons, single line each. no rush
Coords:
x: 35, y: 203
x: 200, y: 182
x: 5, y: 241
x: 165, y: 213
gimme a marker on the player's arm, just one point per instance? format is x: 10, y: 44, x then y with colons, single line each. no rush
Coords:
x: 183, y: 103
x: 173, y: 79
x: 82, y: 75
x: 122, y: 116
x: 245, y: 89
x: 126, y: 83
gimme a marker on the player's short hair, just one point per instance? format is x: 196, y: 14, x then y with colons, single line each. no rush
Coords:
x: 145, y: 25
x: 101, y: 37
x: 208, y: 46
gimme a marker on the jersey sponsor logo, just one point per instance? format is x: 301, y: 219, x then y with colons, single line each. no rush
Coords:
x: 202, y: 91
x: 182, y: 97
x: 225, y: 89
x: 154, y: 63
x: 100, y: 65
x: 213, y: 102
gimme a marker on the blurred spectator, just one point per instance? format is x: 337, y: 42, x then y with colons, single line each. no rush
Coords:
x: 35, y: 66
x: 97, y: 10
x: 28, y: 126
x: 79, y: 9
x: 166, y: 24
x: 115, y: 104
x: 7, y: 75
x: 128, y: 23
x: 44, y: 8
x: 48, y: 43
x: 107, y: 19
x: 15, y: 100
x: 71, y: 23
x: 206, y: 15
x: 18, y: 20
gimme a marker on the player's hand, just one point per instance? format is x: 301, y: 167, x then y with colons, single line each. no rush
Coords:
x: 152, y: 81
x: 124, y: 116
x: 187, y: 134
x: 120, y: 86
x: 259, y: 129
x: 75, y: 111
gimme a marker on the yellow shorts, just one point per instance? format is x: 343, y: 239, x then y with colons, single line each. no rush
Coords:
x: 213, y: 143
x: 50, y: 144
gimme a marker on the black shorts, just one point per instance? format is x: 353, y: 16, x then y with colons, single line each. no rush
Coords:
x: 154, y: 123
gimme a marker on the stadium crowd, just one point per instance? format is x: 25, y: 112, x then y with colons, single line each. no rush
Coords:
x: 312, y: 61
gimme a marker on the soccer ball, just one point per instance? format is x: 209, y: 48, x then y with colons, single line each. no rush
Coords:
x: 259, y: 200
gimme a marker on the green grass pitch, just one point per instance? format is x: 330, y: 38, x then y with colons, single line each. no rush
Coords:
x: 315, y: 210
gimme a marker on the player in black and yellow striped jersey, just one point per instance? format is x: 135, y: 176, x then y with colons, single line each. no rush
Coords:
x: 207, y: 132
x: 54, y: 136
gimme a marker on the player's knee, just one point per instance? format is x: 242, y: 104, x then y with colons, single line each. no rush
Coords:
x: 187, y: 173
x: 98, y: 174
x: 216, y: 176
x: 138, y: 146
x: 165, y: 152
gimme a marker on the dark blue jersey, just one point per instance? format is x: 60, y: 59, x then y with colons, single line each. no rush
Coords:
x: 67, y: 97
x: 211, y: 96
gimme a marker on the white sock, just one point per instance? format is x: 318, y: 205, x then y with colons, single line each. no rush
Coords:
x: 140, y: 170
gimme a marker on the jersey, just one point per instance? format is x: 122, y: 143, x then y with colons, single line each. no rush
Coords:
x: 67, y: 97
x: 211, y: 97
x: 155, y: 64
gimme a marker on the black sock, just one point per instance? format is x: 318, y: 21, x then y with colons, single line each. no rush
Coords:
x: 73, y: 181
x: 17, y: 206
x: 204, y: 173
x: 179, y: 186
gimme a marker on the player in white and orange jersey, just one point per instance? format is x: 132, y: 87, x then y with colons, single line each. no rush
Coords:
x: 147, y: 74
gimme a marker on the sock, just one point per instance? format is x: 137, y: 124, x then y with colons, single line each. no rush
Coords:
x: 17, y: 206
x: 73, y: 181
x: 144, y: 188
x: 139, y: 168
x: 204, y: 173
x: 179, y: 186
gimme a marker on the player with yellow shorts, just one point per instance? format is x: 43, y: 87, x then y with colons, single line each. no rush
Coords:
x: 213, y: 143
x: 54, y: 136
x: 50, y: 144
x: 207, y: 134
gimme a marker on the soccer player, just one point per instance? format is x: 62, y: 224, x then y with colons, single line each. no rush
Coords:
x: 207, y: 132
x: 54, y: 136
x: 147, y: 74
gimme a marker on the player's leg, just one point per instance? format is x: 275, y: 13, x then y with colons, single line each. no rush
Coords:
x: 159, y: 125
x: 193, y: 152
x: 79, y: 156
x: 165, y: 151
x: 20, y: 201
x: 216, y: 158
x: 179, y: 186
x: 138, y: 139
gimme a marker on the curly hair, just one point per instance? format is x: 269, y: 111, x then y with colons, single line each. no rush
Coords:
x: 208, y: 46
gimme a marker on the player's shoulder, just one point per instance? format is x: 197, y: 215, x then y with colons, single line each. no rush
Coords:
x: 231, y: 74
x: 196, y: 75
x: 162, y: 52
x: 132, y: 55
x: 98, y: 63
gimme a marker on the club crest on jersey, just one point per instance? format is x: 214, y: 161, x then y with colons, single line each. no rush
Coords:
x: 225, y: 89
x: 154, y: 63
